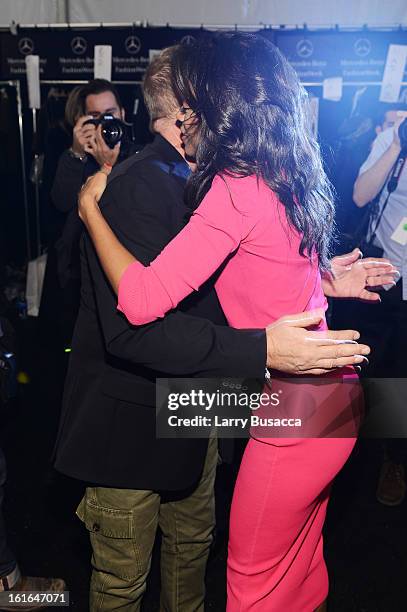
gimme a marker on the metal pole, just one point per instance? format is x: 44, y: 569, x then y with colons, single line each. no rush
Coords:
x: 62, y: 11
x: 36, y: 178
x: 67, y: 11
x: 23, y: 166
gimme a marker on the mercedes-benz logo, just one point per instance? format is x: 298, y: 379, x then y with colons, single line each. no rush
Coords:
x: 26, y: 46
x: 304, y: 48
x: 132, y: 44
x: 188, y: 40
x: 79, y: 45
x: 362, y: 47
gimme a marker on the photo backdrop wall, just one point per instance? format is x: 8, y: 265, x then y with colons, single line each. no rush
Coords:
x: 69, y: 53
x: 357, y: 58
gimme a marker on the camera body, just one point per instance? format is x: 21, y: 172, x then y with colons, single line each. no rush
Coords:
x: 403, y: 134
x: 113, y: 129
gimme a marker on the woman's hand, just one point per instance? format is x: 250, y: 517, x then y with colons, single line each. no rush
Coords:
x: 352, y: 277
x: 91, y: 193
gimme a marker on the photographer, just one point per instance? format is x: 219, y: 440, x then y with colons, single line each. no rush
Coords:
x: 356, y: 135
x: 376, y: 169
x: 88, y: 152
x: 386, y: 328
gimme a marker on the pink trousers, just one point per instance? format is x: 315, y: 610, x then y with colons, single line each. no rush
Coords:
x: 275, y: 561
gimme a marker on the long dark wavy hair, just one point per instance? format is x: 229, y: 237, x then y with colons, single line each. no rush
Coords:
x: 253, y: 119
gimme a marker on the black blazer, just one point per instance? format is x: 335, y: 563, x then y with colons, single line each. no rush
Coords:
x: 107, y: 428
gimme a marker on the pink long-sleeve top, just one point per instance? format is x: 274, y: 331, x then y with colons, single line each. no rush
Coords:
x: 241, y: 224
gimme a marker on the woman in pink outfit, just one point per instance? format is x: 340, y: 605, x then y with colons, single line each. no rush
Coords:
x: 263, y: 216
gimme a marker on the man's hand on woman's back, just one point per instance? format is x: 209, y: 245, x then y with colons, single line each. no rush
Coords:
x: 294, y: 349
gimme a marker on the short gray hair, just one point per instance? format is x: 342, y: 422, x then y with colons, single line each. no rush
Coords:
x: 158, y: 94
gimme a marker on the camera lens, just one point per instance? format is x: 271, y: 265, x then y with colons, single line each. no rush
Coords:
x: 112, y: 131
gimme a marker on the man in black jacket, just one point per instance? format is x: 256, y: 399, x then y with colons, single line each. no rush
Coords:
x: 138, y: 482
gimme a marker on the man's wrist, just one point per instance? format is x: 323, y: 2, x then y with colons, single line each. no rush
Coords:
x: 81, y: 156
x: 106, y: 167
x: 103, y: 164
x: 270, y: 349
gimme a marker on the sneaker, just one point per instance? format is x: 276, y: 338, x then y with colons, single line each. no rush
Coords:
x: 391, y: 488
x: 29, y: 584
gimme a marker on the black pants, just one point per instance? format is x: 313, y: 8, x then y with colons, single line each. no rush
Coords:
x: 7, y: 559
x: 384, y: 328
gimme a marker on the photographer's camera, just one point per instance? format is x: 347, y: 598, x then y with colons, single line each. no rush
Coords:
x: 113, y: 129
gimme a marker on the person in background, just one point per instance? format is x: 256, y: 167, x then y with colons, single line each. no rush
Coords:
x: 87, y: 152
x: 85, y: 155
x: 385, y: 327
x: 355, y: 140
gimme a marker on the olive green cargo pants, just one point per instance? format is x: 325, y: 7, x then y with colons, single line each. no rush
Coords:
x: 122, y: 524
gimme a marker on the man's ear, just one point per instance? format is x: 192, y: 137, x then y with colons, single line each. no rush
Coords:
x: 378, y: 129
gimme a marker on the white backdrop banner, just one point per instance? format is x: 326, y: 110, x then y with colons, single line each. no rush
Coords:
x: 22, y: 11
x: 187, y: 12
x: 245, y: 12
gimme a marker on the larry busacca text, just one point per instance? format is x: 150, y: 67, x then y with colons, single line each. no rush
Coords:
x: 195, y: 401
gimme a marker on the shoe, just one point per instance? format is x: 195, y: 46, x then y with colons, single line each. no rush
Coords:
x: 30, y: 584
x: 391, y: 488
